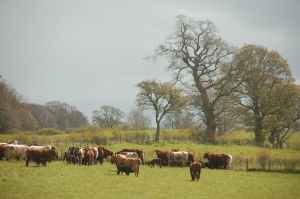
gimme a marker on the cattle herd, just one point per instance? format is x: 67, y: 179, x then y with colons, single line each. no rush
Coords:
x: 127, y: 160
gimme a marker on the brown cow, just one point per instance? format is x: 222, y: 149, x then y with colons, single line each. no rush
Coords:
x: 215, y: 160
x: 42, y: 156
x: 157, y: 161
x: 138, y: 151
x: 65, y: 156
x: 164, y: 156
x: 71, y: 159
x: 195, y: 171
x: 107, y: 153
x: 88, y: 156
x: 100, y: 154
x: 131, y: 163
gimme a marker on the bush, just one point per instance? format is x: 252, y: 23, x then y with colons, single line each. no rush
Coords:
x: 263, y: 157
x: 49, y: 131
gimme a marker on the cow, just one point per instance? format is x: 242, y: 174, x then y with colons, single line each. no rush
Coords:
x: 164, y: 156
x: 47, y: 147
x: 71, y: 159
x: 42, y: 156
x: 100, y: 155
x: 131, y: 163
x: 2, y: 150
x: 65, y: 156
x: 71, y: 150
x: 195, y: 171
x: 157, y: 161
x: 215, y: 160
x: 178, y: 157
x: 78, y: 152
x: 107, y: 153
x: 122, y: 169
x: 88, y: 156
x: 137, y: 150
x: 96, y: 153
x: 15, y: 151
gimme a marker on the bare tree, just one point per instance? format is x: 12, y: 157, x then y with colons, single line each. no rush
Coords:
x: 194, y: 50
x: 138, y: 119
x: 161, y: 98
x: 108, y: 117
x: 184, y: 120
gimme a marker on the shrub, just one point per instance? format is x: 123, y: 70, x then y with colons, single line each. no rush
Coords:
x: 49, y: 131
x: 263, y: 157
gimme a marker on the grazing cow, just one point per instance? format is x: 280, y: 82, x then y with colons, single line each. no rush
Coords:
x: 122, y: 169
x: 157, y: 161
x: 100, y: 154
x: 164, y: 156
x: 178, y: 157
x: 78, y: 152
x: 195, y: 171
x: 131, y: 163
x: 138, y: 151
x: 88, y: 156
x: 215, y: 160
x: 107, y: 153
x: 14, y: 151
x: 37, y: 156
x: 71, y: 159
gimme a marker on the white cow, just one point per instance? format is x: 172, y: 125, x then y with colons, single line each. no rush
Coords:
x: 179, y: 157
x: 47, y: 147
x: 12, y: 151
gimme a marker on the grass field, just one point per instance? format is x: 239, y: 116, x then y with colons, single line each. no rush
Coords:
x: 59, y: 180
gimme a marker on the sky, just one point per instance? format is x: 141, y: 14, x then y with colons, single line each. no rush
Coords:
x: 90, y: 54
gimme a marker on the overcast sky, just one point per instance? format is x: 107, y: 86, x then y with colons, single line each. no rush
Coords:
x: 90, y: 53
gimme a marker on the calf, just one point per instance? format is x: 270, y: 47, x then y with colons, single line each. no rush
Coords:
x: 122, y: 169
x: 157, y: 161
x: 195, y: 171
x: 71, y: 159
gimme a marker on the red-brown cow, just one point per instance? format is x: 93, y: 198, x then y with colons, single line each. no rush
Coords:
x: 131, y: 163
x: 38, y: 156
x: 215, y: 160
x: 88, y: 156
x: 164, y: 156
x: 195, y: 171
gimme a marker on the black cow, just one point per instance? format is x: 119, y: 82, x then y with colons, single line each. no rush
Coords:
x: 122, y: 169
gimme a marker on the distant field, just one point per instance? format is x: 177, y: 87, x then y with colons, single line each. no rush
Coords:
x: 59, y: 180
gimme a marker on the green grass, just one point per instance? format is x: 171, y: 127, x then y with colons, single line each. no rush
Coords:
x: 59, y: 180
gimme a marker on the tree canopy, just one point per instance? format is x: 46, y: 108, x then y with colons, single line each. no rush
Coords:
x: 161, y: 98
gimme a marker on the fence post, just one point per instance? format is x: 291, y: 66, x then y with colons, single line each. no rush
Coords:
x: 247, y: 165
x: 57, y: 142
x: 120, y: 138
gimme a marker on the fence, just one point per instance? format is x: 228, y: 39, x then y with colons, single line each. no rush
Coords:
x: 142, y: 139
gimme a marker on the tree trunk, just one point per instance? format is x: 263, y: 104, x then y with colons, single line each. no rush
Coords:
x: 211, y: 128
x: 258, y: 130
x: 157, y: 134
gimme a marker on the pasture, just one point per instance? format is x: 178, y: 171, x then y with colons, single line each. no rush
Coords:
x: 59, y: 180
